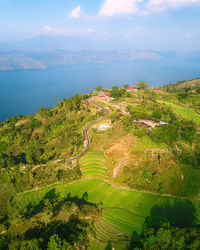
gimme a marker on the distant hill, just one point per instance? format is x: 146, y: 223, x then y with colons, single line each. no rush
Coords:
x: 183, y: 85
x: 10, y: 62
x: 188, y: 84
x: 43, y: 59
x: 44, y: 51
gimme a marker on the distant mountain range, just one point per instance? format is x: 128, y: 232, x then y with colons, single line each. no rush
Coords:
x: 43, y: 59
x: 45, y: 51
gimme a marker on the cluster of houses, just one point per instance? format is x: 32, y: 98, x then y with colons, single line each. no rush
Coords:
x: 106, y: 96
x: 134, y: 89
x: 149, y: 123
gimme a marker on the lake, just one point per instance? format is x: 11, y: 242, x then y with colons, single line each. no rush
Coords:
x: 26, y: 91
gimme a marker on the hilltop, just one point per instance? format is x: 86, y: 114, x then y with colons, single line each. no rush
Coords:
x: 114, y: 167
x: 184, y: 85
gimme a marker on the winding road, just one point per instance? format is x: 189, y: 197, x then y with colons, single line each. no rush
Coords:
x: 85, y: 131
x: 85, y: 134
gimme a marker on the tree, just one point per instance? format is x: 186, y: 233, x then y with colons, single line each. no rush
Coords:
x: 114, y: 116
x: 116, y: 92
x: 60, y: 103
x: 126, y: 85
x: 142, y: 85
x: 152, y: 96
x: 46, y: 213
x: 98, y: 88
x: 157, y: 114
x: 127, y: 123
x: 55, y: 243
x: 138, y: 112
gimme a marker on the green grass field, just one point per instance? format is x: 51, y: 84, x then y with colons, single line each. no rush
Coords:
x: 186, y: 113
x: 126, y: 210
x: 93, y: 165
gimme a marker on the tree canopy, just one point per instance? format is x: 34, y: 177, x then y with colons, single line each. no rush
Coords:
x: 142, y: 85
x: 98, y: 88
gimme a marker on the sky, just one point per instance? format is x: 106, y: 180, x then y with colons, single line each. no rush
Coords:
x: 144, y: 24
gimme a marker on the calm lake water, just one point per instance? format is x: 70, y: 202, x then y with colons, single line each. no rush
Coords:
x: 26, y: 91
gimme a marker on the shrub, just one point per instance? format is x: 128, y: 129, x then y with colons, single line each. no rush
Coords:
x: 157, y: 114
x: 35, y: 124
x: 167, y: 133
x: 140, y: 132
x: 139, y: 112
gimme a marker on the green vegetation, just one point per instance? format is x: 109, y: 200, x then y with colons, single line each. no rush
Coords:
x: 52, y: 222
x: 184, y: 112
x: 124, y: 210
x: 142, y: 85
x: 136, y: 185
x: 98, y: 88
x: 117, y: 92
x: 126, y: 85
x: 93, y: 165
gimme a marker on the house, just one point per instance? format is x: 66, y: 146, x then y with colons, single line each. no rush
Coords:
x: 102, y: 97
x: 155, y: 89
x: 149, y: 123
x: 131, y: 89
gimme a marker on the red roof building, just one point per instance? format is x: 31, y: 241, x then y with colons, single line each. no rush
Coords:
x: 155, y: 89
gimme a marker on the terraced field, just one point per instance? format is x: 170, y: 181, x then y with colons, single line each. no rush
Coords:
x: 105, y: 231
x: 123, y: 219
x: 124, y: 209
x: 93, y: 165
x: 184, y: 112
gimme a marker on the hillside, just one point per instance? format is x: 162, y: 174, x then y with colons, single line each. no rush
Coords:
x: 113, y: 168
x: 41, y: 59
x: 184, y: 85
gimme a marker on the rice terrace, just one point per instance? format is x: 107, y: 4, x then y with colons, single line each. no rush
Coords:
x: 123, y: 211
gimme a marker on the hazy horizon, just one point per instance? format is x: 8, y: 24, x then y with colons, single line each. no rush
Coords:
x: 165, y: 25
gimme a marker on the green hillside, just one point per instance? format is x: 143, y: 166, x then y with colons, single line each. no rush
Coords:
x: 124, y: 209
x: 110, y: 169
x: 184, y: 112
x: 93, y: 165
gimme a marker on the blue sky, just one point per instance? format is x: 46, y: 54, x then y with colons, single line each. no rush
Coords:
x: 144, y: 24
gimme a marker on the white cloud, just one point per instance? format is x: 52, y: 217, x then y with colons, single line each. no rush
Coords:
x: 113, y: 7
x: 52, y: 31
x: 162, y: 5
x: 65, y: 32
x: 76, y: 13
x: 46, y: 29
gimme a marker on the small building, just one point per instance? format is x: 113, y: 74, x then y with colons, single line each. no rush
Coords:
x: 131, y: 89
x: 102, y: 97
x: 155, y: 89
x: 149, y: 123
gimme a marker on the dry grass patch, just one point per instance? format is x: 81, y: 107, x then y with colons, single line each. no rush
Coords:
x: 21, y: 122
x: 120, y: 146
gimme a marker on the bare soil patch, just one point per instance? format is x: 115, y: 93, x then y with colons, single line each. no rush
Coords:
x: 121, y: 163
x: 120, y: 146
